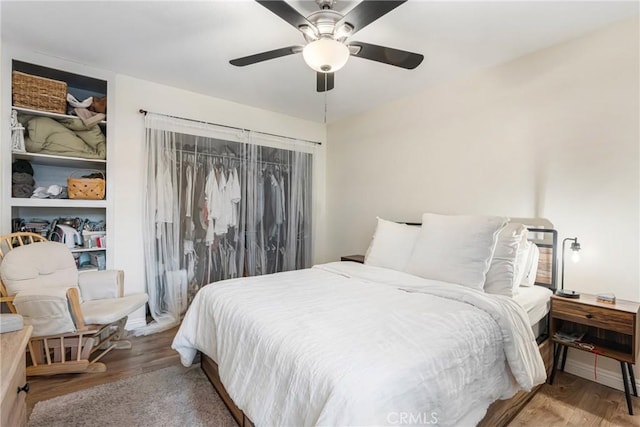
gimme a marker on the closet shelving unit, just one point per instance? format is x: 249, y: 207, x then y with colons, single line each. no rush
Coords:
x: 55, y: 169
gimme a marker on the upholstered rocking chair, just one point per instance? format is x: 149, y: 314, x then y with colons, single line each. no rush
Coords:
x: 77, y: 318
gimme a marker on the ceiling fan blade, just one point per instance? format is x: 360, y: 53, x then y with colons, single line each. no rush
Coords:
x: 286, y: 12
x: 366, y: 12
x: 324, y: 81
x: 387, y: 55
x: 265, y: 56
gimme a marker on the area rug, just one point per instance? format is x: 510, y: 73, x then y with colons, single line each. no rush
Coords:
x: 173, y: 396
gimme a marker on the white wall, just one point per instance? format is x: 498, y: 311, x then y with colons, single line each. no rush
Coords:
x: 128, y: 156
x: 554, y: 134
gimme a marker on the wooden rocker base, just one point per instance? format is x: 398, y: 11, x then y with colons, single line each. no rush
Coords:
x: 122, y: 345
x: 78, y: 352
x: 73, y: 367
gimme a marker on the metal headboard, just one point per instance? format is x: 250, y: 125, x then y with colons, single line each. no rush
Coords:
x: 548, y: 263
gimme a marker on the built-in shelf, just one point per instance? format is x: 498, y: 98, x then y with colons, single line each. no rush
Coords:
x: 52, y: 169
x: 57, y: 203
x: 65, y: 161
x: 49, y: 114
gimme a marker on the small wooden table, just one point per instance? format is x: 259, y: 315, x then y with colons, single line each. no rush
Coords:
x: 609, y: 330
x: 13, y: 408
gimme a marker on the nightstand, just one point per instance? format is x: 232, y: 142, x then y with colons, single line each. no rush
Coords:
x: 609, y: 330
x: 354, y: 258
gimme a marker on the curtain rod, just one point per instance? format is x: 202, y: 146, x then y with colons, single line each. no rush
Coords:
x: 145, y: 112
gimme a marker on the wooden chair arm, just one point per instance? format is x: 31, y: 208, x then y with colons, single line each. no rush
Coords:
x: 6, y: 299
x: 73, y: 296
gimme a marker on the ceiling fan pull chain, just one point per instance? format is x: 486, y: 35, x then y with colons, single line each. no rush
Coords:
x: 325, y: 98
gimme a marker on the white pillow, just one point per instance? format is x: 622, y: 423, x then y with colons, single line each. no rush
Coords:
x: 522, y: 257
x: 502, y: 270
x: 392, y: 245
x: 455, y: 249
x: 531, y: 268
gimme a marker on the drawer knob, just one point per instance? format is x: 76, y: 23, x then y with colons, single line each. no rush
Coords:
x: 588, y: 315
x: 24, y: 388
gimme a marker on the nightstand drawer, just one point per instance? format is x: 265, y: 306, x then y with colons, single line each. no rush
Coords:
x: 599, y: 317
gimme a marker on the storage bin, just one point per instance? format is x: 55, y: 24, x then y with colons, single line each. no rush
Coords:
x: 38, y: 93
x: 85, y: 188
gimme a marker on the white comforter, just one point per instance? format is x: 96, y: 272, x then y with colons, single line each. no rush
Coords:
x: 348, y: 344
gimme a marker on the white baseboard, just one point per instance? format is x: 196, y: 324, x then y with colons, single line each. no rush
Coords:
x: 606, y: 377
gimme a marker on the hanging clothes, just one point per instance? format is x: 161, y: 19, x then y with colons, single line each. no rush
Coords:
x: 212, y: 204
x: 260, y: 199
x: 282, y: 198
x: 188, y: 190
x: 164, y: 193
x: 234, y: 197
x: 200, y: 206
x: 276, y: 200
x: 187, y: 227
x: 223, y: 206
x: 224, y: 210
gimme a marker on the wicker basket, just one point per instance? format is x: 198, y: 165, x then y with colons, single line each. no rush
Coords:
x: 38, y: 93
x: 85, y: 188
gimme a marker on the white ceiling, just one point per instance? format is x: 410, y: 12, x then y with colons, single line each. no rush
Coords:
x: 189, y: 44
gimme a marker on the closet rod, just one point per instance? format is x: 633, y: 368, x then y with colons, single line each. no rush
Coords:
x: 226, y: 156
x: 145, y: 112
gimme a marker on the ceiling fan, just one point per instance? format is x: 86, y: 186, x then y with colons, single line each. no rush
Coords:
x: 326, y: 32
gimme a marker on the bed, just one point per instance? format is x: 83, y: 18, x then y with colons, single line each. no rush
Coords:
x: 346, y: 344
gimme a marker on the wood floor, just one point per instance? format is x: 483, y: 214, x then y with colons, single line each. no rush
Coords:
x: 574, y: 401
x: 571, y: 401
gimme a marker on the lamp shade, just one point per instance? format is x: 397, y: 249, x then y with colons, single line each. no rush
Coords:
x: 575, y: 248
x: 325, y: 55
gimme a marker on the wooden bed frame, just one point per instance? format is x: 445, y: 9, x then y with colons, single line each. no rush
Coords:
x: 500, y: 412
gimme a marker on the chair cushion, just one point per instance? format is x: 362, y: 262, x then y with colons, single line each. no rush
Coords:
x: 46, y: 310
x: 102, y: 311
x: 38, y: 265
x: 101, y: 284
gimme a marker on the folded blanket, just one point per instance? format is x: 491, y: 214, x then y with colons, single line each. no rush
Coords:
x: 22, y: 185
x: 23, y: 182
x: 22, y: 166
x: 22, y: 191
x: 68, y: 137
x: 22, y: 178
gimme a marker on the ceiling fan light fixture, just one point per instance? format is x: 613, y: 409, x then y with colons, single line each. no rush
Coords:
x: 309, y: 31
x: 341, y: 33
x: 325, y: 55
